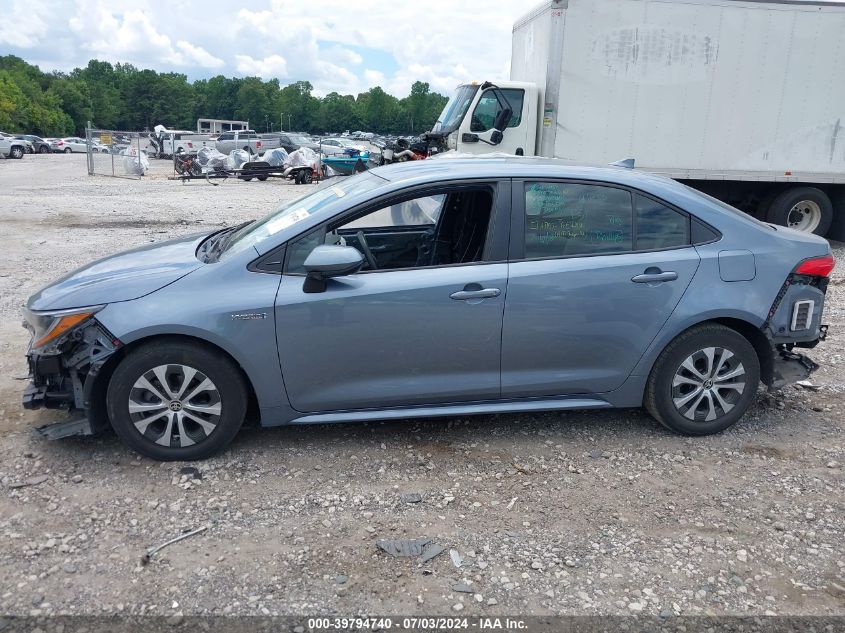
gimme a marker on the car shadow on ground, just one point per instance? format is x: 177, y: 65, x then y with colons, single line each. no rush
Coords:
x: 618, y: 429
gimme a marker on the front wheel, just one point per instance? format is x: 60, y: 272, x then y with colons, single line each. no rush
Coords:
x: 704, y: 381
x: 17, y: 152
x: 176, y: 401
x: 44, y: 150
x: 68, y: 150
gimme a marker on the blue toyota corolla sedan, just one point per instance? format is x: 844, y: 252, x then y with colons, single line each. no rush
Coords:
x: 434, y: 288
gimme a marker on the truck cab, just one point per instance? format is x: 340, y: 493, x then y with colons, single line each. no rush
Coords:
x: 469, y: 119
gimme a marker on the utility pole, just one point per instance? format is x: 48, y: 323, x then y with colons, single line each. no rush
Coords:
x: 281, y: 122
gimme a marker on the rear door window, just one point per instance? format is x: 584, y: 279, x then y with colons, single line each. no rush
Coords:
x: 566, y: 219
x: 658, y: 226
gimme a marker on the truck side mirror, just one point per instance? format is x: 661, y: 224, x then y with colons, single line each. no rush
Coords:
x: 502, y: 119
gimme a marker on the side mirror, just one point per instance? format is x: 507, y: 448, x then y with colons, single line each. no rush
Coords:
x: 502, y: 119
x: 327, y: 261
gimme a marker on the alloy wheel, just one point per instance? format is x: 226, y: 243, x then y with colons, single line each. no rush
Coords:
x: 708, y: 384
x: 175, y: 405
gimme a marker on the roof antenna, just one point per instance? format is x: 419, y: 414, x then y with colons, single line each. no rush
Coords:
x: 626, y: 163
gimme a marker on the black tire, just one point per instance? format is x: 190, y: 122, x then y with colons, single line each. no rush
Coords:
x: 658, y: 399
x: 245, y: 178
x: 224, y: 374
x: 307, y: 177
x: 262, y: 178
x: 44, y: 150
x: 16, y: 152
x: 780, y: 209
x: 68, y: 150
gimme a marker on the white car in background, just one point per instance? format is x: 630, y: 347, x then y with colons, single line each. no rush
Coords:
x: 69, y: 144
x: 11, y: 147
x: 336, y: 146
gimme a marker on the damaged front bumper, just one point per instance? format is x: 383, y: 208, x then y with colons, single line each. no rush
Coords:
x: 63, y: 376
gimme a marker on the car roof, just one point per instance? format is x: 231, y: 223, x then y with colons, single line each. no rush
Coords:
x: 506, y: 166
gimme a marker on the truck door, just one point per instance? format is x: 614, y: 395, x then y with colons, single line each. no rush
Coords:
x: 518, y: 137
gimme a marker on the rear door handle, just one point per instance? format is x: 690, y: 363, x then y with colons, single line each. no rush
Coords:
x: 483, y: 293
x: 652, y: 277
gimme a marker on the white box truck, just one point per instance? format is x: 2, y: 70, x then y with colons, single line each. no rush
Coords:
x: 744, y: 100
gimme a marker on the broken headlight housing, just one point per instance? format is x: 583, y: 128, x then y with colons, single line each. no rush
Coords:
x: 49, y: 327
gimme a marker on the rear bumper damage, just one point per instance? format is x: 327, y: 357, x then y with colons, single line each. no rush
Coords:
x: 790, y: 367
x: 63, y: 377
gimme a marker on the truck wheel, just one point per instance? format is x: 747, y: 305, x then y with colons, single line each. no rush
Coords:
x: 17, y: 152
x: 704, y: 381
x: 806, y: 209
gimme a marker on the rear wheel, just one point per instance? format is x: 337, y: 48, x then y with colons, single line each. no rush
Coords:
x: 807, y: 209
x: 704, y: 381
x: 176, y: 401
x: 17, y: 152
x: 68, y: 150
x: 44, y: 150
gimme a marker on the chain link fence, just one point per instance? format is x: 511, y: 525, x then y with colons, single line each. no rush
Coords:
x: 116, y: 153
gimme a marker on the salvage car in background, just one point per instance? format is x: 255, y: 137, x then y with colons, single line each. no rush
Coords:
x: 11, y: 147
x: 38, y: 144
x: 435, y: 288
x: 69, y: 144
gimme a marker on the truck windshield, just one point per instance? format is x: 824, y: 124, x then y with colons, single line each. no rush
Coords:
x: 455, y: 109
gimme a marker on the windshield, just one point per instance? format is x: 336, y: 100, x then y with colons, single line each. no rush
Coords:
x: 299, y: 139
x: 455, y: 109
x: 297, y: 210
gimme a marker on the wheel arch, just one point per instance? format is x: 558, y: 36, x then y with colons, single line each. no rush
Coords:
x: 741, y: 325
x: 97, y: 410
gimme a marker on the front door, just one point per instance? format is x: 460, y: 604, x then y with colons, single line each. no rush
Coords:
x: 421, y: 324
x: 600, y: 271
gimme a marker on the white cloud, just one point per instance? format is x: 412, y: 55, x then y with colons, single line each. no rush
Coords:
x: 198, y: 55
x: 133, y: 36
x: 337, y: 45
x: 272, y: 67
x: 23, y: 23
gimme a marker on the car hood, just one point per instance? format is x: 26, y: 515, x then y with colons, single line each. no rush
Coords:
x: 123, y: 276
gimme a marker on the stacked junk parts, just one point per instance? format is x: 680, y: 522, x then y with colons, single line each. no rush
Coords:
x: 301, y: 166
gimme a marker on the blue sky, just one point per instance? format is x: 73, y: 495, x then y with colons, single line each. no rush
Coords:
x: 344, y: 46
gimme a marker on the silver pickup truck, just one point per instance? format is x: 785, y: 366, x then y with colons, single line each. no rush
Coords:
x: 247, y: 140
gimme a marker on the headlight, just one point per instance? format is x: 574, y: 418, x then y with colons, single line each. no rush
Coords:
x: 47, y: 326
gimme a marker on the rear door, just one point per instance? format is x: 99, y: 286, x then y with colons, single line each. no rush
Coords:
x: 595, y: 272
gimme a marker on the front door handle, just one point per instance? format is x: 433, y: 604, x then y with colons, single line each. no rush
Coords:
x: 481, y: 293
x: 654, y: 275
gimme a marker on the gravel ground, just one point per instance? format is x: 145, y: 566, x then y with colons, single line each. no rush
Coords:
x: 566, y: 513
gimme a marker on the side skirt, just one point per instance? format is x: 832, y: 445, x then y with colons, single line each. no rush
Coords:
x: 468, y: 408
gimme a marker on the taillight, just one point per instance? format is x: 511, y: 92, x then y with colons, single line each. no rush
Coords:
x: 190, y: 145
x: 257, y: 144
x: 816, y: 266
